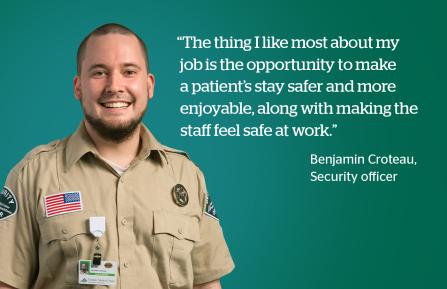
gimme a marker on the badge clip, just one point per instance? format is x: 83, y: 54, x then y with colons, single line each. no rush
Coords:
x: 97, y: 229
x: 97, y: 226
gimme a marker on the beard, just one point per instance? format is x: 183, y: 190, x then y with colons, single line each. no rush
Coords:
x: 115, y: 132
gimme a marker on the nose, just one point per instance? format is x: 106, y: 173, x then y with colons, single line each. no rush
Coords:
x: 114, y: 83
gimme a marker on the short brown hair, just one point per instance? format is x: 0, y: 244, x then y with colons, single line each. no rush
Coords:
x: 107, y: 29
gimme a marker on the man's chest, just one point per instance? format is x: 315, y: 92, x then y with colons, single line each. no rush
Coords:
x: 144, y: 218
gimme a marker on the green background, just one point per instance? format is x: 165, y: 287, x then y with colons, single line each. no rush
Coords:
x: 283, y: 230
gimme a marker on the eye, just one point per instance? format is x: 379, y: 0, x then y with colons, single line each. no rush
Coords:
x: 98, y: 73
x: 129, y: 72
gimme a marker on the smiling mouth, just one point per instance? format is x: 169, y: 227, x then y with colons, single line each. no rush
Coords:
x: 118, y: 104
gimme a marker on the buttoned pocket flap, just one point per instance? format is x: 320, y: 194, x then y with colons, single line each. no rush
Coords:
x: 63, y: 227
x: 177, y: 225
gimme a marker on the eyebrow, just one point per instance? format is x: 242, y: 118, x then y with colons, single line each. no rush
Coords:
x: 99, y: 65
x: 94, y: 66
x: 128, y: 64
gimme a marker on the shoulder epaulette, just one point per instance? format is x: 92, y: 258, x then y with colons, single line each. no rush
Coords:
x: 172, y: 150
x: 34, y: 152
x: 42, y: 148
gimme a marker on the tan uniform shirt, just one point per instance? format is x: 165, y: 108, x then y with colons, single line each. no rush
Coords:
x: 157, y: 243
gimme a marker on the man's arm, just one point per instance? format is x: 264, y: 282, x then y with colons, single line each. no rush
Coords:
x: 18, y: 253
x: 6, y: 286
x: 210, y: 285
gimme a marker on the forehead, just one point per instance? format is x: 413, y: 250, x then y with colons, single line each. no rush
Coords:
x: 113, y: 49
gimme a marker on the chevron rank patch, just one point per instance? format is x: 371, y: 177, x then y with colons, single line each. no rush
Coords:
x: 8, y: 204
x: 210, y: 210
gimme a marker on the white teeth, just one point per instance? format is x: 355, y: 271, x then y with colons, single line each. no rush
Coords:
x: 115, y: 104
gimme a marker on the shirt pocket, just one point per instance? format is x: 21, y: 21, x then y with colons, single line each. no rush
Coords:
x: 59, y: 249
x: 173, y: 240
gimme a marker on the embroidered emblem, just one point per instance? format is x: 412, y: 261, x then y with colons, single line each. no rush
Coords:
x: 180, y: 195
x: 8, y: 204
x: 63, y: 203
x: 210, y: 210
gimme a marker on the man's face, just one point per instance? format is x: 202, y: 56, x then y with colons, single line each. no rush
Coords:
x: 114, y: 86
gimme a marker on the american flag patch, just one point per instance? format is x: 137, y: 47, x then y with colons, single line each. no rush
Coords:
x: 63, y: 203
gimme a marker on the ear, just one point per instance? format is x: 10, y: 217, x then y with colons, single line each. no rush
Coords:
x: 150, y: 85
x: 77, y: 87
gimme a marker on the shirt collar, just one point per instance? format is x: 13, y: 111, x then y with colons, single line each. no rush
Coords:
x: 80, y: 143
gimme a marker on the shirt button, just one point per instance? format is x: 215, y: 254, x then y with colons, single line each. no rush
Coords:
x: 126, y: 264
x: 122, y: 180
x: 124, y: 221
x: 64, y: 231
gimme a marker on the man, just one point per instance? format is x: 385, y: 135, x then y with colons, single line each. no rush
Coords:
x: 83, y: 268
x: 110, y: 194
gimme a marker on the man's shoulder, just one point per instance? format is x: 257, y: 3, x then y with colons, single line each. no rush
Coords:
x: 51, y: 146
x: 178, y: 156
x: 175, y: 152
x: 41, y: 151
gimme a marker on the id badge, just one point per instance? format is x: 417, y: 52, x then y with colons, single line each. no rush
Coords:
x: 104, y: 274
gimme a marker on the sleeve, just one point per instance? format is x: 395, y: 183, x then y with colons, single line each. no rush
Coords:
x: 18, y: 249
x: 211, y: 257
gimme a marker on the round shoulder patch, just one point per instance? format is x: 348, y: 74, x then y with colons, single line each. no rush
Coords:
x: 8, y: 204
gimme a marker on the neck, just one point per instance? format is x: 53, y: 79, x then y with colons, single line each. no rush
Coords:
x: 122, y: 153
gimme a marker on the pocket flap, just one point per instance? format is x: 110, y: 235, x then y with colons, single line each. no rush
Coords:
x: 63, y: 227
x: 179, y: 226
